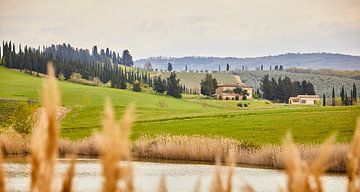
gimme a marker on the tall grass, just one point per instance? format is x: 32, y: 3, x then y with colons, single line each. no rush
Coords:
x: 303, y: 168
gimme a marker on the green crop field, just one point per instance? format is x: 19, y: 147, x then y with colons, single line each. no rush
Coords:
x: 261, y: 123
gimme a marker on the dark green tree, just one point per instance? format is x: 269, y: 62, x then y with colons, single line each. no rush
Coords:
x: 354, y: 92
x: 169, y: 68
x: 227, y: 67
x: 159, y: 85
x: 208, y: 85
x: 333, y: 102
x: 173, y: 86
x: 324, y: 100
x: 342, y: 95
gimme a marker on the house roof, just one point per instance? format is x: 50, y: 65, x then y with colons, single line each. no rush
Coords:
x: 234, y: 85
x: 305, y: 96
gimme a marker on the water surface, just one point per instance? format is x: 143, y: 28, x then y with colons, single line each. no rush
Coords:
x: 179, y: 177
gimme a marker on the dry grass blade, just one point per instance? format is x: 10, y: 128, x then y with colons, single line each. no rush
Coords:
x: 45, y: 137
x: 321, y: 164
x: 162, y: 184
x: 69, y: 175
x: 114, y: 146
x: 197, y: 185
x: 2, y: 175
x: 217, y: 183
x: 231, y: 164
x: 354, y: 160
x: 295, y: 167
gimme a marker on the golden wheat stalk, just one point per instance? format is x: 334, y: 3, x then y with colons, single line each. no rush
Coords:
x: 45, y: 137
x: 114, y: 146
x: 320, y: 164
x: 295, y: 167
x: 162, y: 184
x: 69, y: 175
x: 217, y: 183
x: 354, y: 160
x: 2, y: 175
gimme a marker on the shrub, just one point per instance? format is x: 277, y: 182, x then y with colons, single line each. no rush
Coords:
x: 236, y: 97
x: 220, y: 97
x: 22, y: 120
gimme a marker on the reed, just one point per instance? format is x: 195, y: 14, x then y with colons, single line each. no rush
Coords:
x: 354, y: 160
x: 2, y: 174
x: 114, y: 148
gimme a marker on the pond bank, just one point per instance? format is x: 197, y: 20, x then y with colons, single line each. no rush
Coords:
x: 188, y: 149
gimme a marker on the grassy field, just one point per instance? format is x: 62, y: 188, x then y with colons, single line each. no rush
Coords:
x: 192, y: 80
x: 261, y: 123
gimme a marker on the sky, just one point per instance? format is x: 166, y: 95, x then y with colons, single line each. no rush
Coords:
x: 240, y: 28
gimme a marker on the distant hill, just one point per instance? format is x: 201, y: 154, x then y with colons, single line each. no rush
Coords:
x: 306, y: 60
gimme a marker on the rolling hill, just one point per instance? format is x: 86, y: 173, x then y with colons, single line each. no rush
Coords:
x: 306, y: 60
x: 261, y: 123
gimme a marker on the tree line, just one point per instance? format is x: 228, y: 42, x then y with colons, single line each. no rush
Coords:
x: 282, y: 89
x: 345, y: 98
x: 68, y: 61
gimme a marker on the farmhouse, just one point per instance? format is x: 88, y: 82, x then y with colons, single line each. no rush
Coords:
x: 304, y: 99
x: 226, y: 91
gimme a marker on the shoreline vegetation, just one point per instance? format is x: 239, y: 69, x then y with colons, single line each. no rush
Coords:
x: 186, y: 148
x: 114, y: 146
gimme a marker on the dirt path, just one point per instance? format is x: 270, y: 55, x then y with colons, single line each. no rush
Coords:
x: 238, y: 79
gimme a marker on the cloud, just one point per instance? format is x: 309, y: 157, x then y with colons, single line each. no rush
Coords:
x: 188, y: 27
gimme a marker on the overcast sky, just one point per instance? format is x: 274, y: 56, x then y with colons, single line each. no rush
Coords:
x: 243, y: 28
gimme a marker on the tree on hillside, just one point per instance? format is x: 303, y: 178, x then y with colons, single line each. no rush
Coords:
x: 173, y: 86
x: 186, y: 68
x: 342, y: 95
x: 324, y: 100
x: 159, y: 85
x: 169, y: 68
x: 127, y: 58
x: 136, y: 86
x: 208, y: 85
x: 333, y: 97
x: 265, y: 87
x: 281, y: 68
x: 354, y: 92
x: 227, y: 67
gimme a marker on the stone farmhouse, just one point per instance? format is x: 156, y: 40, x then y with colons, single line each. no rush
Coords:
x: 226, y: 91
x: 304, y: 99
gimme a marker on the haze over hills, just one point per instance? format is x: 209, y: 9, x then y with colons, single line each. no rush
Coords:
x: 301, y: 60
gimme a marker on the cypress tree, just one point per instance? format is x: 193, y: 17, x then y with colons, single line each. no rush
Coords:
x: 173, y: 86
x: 333, y: 97
x: 324, y: 100
x: 342, y: 95
x: 354, y: 92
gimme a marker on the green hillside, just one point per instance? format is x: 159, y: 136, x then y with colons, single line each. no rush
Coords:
x: 261, y: 123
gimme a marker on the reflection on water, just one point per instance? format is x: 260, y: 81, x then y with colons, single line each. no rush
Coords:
x: 180, y: 177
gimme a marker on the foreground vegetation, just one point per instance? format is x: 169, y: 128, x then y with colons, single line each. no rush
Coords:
x: 261, y: 123
x: 114, y: 148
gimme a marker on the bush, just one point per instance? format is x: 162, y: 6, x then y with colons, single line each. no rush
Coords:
x: 236, y: 97
x: 22, y: 120
x: 220, y: 97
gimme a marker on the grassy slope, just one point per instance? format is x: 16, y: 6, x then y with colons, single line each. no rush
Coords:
x: 192, y: 80
x: 261, y: 123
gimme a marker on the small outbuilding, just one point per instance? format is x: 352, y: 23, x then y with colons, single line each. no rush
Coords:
x: 304, y: 99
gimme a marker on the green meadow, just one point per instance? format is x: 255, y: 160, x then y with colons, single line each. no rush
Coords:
x: 261, y: 123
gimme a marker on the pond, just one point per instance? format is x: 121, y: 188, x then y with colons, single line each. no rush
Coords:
x: 179, y: 177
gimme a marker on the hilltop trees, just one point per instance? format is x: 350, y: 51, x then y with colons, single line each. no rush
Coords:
x: 282, y: 89
x: 159, y: 85
x: 208, y: 85
x: 333, y: 101
x: 169, y: 68
x: 173, y: 86
x: 227, y: 67
x: 127, y: 58
x: 68, y: 60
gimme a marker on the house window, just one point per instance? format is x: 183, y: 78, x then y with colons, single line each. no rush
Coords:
x: 303, y: 101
